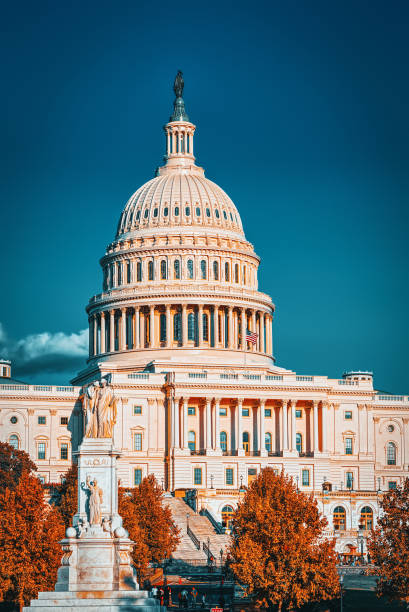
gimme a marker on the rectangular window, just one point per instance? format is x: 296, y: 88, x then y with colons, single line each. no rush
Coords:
x: 41, y: 479
x: 137, y: 440
x: 137, y: 409
x: 42, y: 420
x: 348, y: 446
x: 267, y: 412
x: 349, y: 480
x: 41, y: 450
x: 392, y: 484
x: 245, y: 412
x: 305, y: 478
x: 191, y: 410
x: 137, y: 476
x: 64, y: 421
x: 298, y: 414
x: 348, y: 415
x: 229, y: 476
x: 64, y: 451
x: 223, y: 411
x: 197, y: 473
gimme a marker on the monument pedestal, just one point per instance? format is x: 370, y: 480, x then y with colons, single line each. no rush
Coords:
x: 96, y: 570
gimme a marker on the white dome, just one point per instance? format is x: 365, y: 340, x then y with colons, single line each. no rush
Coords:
x: 179, y: 199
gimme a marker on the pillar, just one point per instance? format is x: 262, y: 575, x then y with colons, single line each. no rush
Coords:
x: 200, y: 325
x: 184, y: 325
x: 112, y: 331
x: 254, y: 329
x: 324, y: 408
x: 208, y: 424
x: 103, y: 338
x: 152, y: 326
x: 223, y: 327
x: 217, y: 426
x: 243, y: 342
x: 216, y: 324
x: 239, y: 430
x: 261, y: 429
x: 90, y: 336
x: 285, y: 428
x: 185, y: 423
x: 293, y: 432
x: 136, y: 328
x: 95, y: 335
x: 168, y: 326
x: 316, y: 446
x: 176, y: 442
x: 231, y: 327
x: 123, y: 330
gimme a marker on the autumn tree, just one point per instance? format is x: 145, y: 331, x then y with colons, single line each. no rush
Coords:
x: 30, y: 531
x: 389, y: 545
x: 13, y: 464
x: 278, y: 551
x: 140, y: 551
x: 67, y: 496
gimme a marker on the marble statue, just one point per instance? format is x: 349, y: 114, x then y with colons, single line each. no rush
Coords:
x: 100, y: 410
x: 95, y: 502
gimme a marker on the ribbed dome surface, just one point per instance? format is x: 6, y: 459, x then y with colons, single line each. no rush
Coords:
x: 179, y: 199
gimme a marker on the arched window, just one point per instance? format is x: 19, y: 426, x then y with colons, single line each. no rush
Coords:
x: 177, y: 327
x: 191, y: 326
x: 207, y: 212
x: 165, y: 211
x: 366, y: 521
x: 216, y: 212
x: 215, y: 270
x: 236, y: 273
x: 226, y: 272
x: 176, y: 267
x: 244, y: 275
x: 246, y: 441
x: 150, y: 270
x: 146, y: 213
x: 187, y: 211
x: 298, y: 442
x: 119, y: 273
x: 155, y: 212
x: 203, y: 269
x: 14, y: 441
x: 190, y: 268
x: 139, y: 271
x: 191, y: 440
x: 138, y: 214
x: 197, y: 211
x: 176, y: 211
x: 128, y: 272
x: 205, y: 327
x: 339, y: 518
x: 227, y: 516
x: 391, y: 454
x: 163, y: 269
x: 223, y: 441
x: 267, y: 442
x: 162, y: 327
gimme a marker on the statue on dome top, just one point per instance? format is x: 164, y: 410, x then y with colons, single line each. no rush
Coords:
x: 179, y: 84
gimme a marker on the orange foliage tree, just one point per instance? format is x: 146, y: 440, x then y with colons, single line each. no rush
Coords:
x: 67, y: 499
x: 140, y: 551
x: 13, y: 464
x: 30, y: 531
x: 277, y: 548
x: 389, y: 545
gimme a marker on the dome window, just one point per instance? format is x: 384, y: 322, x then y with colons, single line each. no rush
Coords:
x: 165, y: 211
x: 162, y: 327
x: 191, y: 326
x: 13, y: 420
x: 146, y: 213
x: 139, y: 272
x: 197, y: 211
x: 216, y: 212
x: 205, y: 327
x: 203, y: 269
x: 226, y: 272
x: 176, y: 267
x: 208, y: 212
x: 187, y: 211
x: 176, y: 211
x: 163, y: 269
x: 225, y: 214
x: 216, y: 270
x: 138, y: 214
x: 177, y: 327
x: 190, y: 268
x: 155, y: 212
x: 236, y: 273
x: 150, y: 270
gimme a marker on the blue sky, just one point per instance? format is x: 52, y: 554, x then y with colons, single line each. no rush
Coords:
x: 302, y: 117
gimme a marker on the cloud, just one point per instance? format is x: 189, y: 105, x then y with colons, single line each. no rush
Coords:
x: 45, y: 352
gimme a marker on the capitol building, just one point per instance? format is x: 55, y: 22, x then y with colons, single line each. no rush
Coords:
x: 183, y: 335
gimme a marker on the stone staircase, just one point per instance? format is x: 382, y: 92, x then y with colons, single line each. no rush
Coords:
x: 202, y: 530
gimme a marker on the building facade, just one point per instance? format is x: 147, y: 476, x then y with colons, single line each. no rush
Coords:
x: 184, y: 336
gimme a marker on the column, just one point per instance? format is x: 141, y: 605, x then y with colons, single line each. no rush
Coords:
x: 285, y: 428
x: 223, y: 327
x: 217, y: 425
x: 103, y: 349
x: 261, y: 429
x: 253, y: 329
x: 208, y: 424
x: 200, y: 325
x: 136, y: 328
x: 90, y: 336
x: 324, y: 409
x: 152, y: 326
x: 262, y: 350
x: 316, y: 447
x: 184, y: 325
x: 216, y: 324
x: 371, y: 445
x: 123, y: 330
x: 243, y: 343
x: 239, y: 430
x: 176, y: 443
x: 231, y: 327
x: 112, y: 331
x: 293, y: 432
x: 168, y: 326
x: 95, y: 335
x: 185, y: 423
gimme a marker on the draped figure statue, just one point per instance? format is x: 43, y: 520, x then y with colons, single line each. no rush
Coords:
x: 95, y: 502
x: 99, y: 409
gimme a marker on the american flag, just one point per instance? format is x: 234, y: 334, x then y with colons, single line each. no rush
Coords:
x: 251, y: 337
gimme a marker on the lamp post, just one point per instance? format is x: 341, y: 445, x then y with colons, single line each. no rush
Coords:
x: 208, y: 550
x: 297, y: 479
x: 241, y: 482
x: 163, y: 484
x: 211, y: 481
x: 361, y: 540
x: 341, y: 582
x: 378, y: 494
x: 187, y: 522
